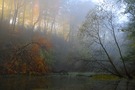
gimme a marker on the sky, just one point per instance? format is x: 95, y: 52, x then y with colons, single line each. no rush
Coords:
x: 119, y: 11
x: 94, y: 1
x: 97, y: 1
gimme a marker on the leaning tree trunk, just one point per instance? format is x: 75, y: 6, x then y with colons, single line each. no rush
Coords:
x: 119, y: 50
x: 108, y: 56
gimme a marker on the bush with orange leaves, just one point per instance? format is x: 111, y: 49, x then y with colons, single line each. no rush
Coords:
x: 24, y: 52
x: 31, y: 58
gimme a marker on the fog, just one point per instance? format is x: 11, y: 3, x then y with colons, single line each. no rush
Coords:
x: 55, y: 35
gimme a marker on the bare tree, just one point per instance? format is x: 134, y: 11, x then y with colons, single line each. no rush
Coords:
x: 112, y: 27
x: 17, y: 5
x: 94, y: 29
x: 2, y: 14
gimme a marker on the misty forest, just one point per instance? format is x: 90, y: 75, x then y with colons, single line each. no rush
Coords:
x: 67, y: 44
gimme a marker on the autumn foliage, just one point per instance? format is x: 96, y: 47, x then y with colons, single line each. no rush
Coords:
x: 24, y: 52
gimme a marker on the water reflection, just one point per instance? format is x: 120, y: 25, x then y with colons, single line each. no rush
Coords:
x: 62, y: 83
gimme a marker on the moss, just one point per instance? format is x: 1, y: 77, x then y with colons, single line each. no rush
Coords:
x: 105, y: 77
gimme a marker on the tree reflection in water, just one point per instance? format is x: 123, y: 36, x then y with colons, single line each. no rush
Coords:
x: 62, y: 83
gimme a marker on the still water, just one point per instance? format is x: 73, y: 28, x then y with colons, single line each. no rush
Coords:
x: 62, y: 82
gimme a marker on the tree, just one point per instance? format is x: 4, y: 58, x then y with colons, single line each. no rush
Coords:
x: 17, y: 5
x: 29, y: 58
x: 24, y: 52
x: 130, y: 9
x: 130, y: 30
x: 2, y: 14
x: 98, y: 23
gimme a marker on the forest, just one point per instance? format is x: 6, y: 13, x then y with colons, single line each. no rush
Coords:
x: 37, y: 37
x: 65, y: 37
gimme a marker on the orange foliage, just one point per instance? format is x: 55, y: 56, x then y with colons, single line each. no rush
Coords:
x: 30, y: 59
x: 36, y: 8
x: 42, y: 41
x: 39, y: 62
x: 27, y: 60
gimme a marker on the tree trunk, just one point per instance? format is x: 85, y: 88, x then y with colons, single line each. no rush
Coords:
x: 14, y: 19
x: 23, y: 22
x: 108, y: 56
x: 119, y: 50
x: 2, y: 14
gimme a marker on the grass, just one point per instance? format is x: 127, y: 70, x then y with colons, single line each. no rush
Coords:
x: 105, y: 77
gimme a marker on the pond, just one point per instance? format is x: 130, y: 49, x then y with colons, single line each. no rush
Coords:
x: 62, y: 82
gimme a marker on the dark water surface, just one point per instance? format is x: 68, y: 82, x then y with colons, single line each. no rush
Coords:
x: 62, y: 82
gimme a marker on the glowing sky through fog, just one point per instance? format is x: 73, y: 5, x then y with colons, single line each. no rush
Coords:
x: 119, y: 11
x: 97, y: 1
